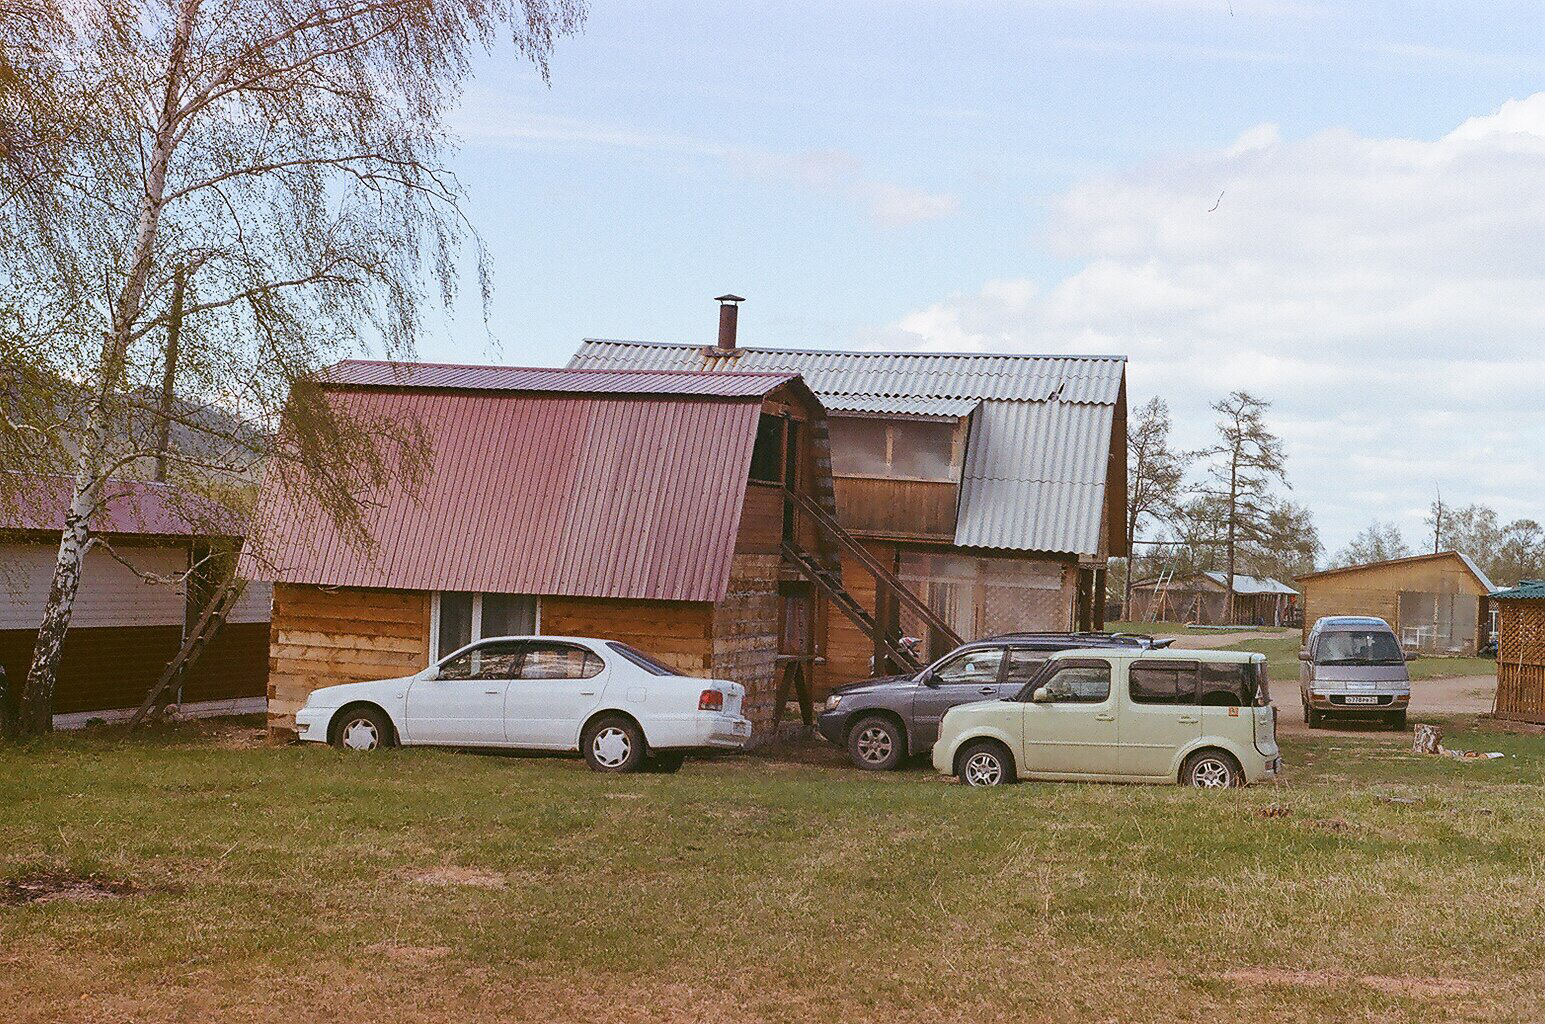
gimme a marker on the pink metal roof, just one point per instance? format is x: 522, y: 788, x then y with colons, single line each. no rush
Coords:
x: 574, y: 494
x: 130, y: 507
x: 377, y: 373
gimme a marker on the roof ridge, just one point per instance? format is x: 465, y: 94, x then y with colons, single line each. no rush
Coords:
x: 562, y: 369
x: 918, y: 353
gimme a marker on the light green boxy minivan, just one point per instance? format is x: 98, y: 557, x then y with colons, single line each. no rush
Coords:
x: 1200, y: 718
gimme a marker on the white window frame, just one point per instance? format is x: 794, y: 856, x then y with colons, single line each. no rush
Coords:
x: 477, y: 620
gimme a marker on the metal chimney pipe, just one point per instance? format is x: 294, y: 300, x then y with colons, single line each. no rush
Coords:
x: 729, y: 314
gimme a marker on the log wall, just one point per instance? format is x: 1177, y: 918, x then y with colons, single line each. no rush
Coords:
x: 747, y: 628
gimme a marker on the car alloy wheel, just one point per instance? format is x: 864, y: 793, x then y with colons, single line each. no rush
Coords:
x: 611, y: 747
x: 1211, y: 773
x: 983, y: 768
x: 875, y: 745
x: 359, y: 733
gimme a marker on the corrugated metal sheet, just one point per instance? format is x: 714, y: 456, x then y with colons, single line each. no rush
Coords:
x: 383, y: 374
x: 130, y: 507
x: 1251, y: 584
x: 1527, y: 590
x: 577, y: 495
x: 1040, y: 437
x: 1026, y: 378
x: 902, y: 405
x: 1034, y: 478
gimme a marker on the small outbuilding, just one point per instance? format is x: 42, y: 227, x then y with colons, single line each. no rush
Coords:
x: 1521, y: 652
x: 1436, y: 603
x: 142, y: 589
x: 1202, y: 598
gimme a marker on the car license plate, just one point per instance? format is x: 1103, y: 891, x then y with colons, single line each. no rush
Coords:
x: 1362, y: 700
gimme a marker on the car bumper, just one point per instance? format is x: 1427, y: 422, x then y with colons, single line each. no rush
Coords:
x: 833, y: 726
x: 1357, y: 702
x: 702, y: 730
x: 311, y: 724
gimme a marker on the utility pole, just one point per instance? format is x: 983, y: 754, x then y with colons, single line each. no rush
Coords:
x: 169, y: 375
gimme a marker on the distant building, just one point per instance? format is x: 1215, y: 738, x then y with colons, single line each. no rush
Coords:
x: 1202, y: 598
x: 993, y: 485
x: 1436, y: 603
x: 124, y: 628
x: 1521, y: 652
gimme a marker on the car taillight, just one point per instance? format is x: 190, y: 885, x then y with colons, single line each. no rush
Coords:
x: 711, y: 700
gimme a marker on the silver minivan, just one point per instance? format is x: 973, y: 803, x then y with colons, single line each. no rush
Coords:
x: 1352, y: 666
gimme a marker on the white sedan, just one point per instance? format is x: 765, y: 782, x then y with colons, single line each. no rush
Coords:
x: 613, y: 703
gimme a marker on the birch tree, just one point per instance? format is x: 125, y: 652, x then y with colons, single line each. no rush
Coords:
x: 279, y: 162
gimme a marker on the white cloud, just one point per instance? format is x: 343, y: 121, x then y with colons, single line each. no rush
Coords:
x: 1388, y: 294
x: 839, y: 173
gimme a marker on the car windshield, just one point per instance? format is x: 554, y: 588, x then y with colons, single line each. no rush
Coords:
x: 1359, y: 647
x: 641, y: 659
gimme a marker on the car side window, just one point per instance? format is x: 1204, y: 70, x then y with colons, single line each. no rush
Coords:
x: 1024, y: 663
x: 1163, y: 682
x: 496, y: 660
x: 559, y: 661
x: 975, y: 666
x: 1085, y: 682
x: 1228, y: 685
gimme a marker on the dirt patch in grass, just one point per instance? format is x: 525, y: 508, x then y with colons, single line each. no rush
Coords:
x: 51, y: 886
x: 1419, y: 987
x: 476, y: 878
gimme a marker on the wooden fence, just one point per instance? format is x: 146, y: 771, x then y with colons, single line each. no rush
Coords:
x: 1521, y: 661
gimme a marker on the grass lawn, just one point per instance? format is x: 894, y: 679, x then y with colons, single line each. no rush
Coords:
x: 300, y: 884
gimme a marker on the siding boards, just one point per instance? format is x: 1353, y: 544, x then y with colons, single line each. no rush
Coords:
x: 761, y: 521
x: 110, y: 595
x: 679, y: 633
x: 918, y: 509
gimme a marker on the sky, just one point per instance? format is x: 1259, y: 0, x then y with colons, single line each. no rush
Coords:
x: 1339, y: 207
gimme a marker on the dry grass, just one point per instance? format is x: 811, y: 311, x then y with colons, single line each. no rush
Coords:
x: 273, y: 885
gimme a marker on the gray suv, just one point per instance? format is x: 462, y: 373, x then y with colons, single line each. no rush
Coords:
x: 880, y: 722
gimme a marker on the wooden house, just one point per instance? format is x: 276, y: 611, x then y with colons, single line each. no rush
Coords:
x: 139, y: 595
x: 993, y: 486
x: 1201, y: 598
x: 1521, y: 652
x: 688, y: 514
x: 1436, y: 603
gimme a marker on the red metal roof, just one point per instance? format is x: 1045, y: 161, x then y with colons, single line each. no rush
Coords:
x: 130, y: 507
x: 577, y: 494
x: 384, y: 374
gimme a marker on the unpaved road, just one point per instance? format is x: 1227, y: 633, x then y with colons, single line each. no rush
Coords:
x: 1463, y: 695
x: 1208, y: 641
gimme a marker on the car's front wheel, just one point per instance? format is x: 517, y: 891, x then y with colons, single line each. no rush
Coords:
x: 362, y: 729
x: 1397, y: 721
x: 613, y: 744
x: 985, y: 764
x: 1211, y: 769
x: 876, y: 743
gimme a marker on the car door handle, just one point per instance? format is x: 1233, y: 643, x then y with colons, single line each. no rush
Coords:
x: 1103, y: 717
x: 989, y: 690
x: 492, y: 693
x: 1188, y: 720
x: 587, y: 693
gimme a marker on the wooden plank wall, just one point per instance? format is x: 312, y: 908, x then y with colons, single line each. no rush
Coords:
x: 912, y: 509
x: 322, y: 637
x: 1376, y: 589
x: 679, y: 633
x: 761, y: 520
x: 847, y: 650
x: 1521, y: 661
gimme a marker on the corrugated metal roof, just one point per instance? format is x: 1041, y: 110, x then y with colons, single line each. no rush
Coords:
x: 1252, y: 584
x: 374, y: 373
x: 130, y: 507
x: 1527, y: 590
x: 583, y: 495
x: 1040, y: 438
x: 901, y: 405
x: 1034, y: 478
x: 1024, y: 378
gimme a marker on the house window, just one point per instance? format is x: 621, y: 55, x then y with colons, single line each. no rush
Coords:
x: 458, y: 618
x: 893, y: 449
x: 767, y: 455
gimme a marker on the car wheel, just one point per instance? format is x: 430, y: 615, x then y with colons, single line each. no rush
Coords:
x: 986, y: 764
x: 1307, y: 712
x: 1397, y: 720
x: 1211, y: 769
x: 362, y: 729
x: 668, y: 763
x: 613, y: 744
x: 876, y: 744
x: 1314, y: 718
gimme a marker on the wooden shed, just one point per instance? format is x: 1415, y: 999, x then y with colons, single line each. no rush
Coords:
x: 689, y: 514
x: 1436, y: 603
x: 1521, y: 652
x: 1201, y: 598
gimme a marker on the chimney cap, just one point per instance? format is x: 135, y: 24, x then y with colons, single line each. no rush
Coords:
x: 728, y: 298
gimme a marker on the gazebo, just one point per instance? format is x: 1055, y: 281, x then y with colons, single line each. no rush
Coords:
x: 1521, y: 652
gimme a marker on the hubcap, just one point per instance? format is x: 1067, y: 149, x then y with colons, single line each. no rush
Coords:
x: 874, y: 744
x: 983, y: 769
x: 611, y: 747
x: 361, y: 734
x: 1210, y: 774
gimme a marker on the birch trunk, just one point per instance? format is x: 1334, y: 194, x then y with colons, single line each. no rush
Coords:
x: 36, y: 709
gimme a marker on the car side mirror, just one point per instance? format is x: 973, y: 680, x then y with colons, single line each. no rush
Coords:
x: 1303, y: 654
x: 430, y: 673
x: 1041, y: 695
x: 927, y: 678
